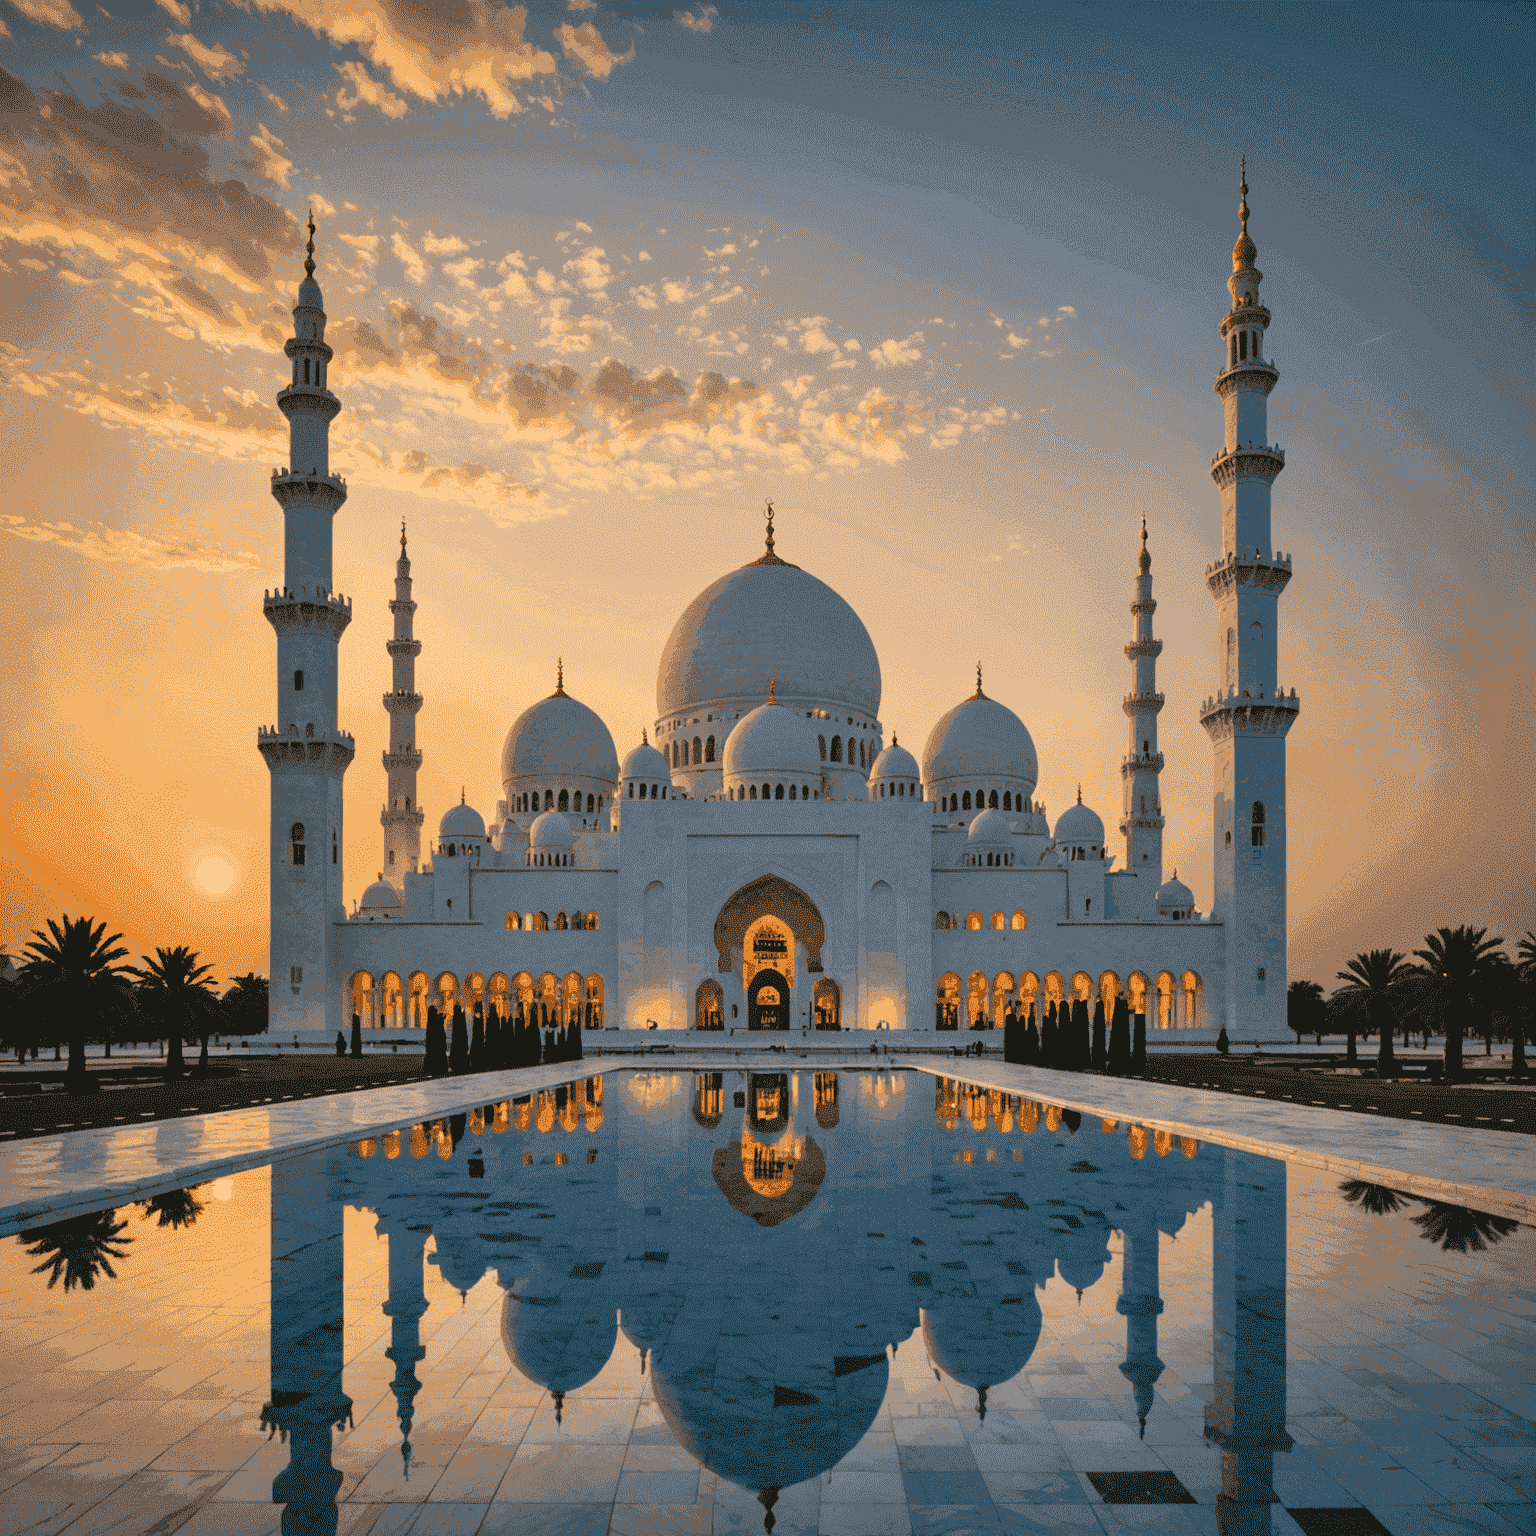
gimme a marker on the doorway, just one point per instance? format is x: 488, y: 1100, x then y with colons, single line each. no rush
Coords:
x: 768, y: 1001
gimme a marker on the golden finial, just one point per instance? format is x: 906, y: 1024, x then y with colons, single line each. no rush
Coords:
x: 643, y: 741
x: 402, y: 535
x: 309, y: 260
x: 560, y: 677
x: 1242, y: 210
x: 1079, y: 794
x: 461, y: 794
x: 978, y: 694
x: 768, y: 504
x: 1143, y: 530
x: 894, y: 741
x: 1245, y: 252
x: 772, y: 685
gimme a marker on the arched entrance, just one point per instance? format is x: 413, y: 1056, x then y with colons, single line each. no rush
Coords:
x: 768, y: 1001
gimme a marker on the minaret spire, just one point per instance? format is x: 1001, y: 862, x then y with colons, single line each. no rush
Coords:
x: 307, y: 752
x: 1141, y: 822
x: 401, y: 817
x: 1248, y: 718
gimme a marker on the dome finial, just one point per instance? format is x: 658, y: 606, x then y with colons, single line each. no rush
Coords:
x: 560, y: 677
x: 402, y: 535
x: 461, y: 794
x: 773, y: 697
x: 1079, y: 794
x: 1245, y: 252
x: 1242, y: 208
x: 644, y: 742
x: 979, y: 694
x: 309, y: 259
x: 768, y: 504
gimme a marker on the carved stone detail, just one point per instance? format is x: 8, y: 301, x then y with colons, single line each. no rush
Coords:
x: 1144, y: 648
x: 1142, y: 703
x: 1255, y: 572
x: 1250, y: 462
x: 402, y: 703
x: 1241, y: 715
x: 290, y: 487
x: 403, y: 757
x: 330, y: 751
x: 1255, y: 373
x: 403, y: 647
x: 290, y: 613
x: 1141, y: 762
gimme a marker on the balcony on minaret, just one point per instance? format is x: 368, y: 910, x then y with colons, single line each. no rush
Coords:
x: 402, y: 701
x: 290, y: 612
x: 1254, y: 572
x: 1142, y: 703
x: 294, y: 747
x: 1141, y: 762
x: 1247, y: 461
x: 403, y: 647
x: 1249, y: 712
x: 402, y: 757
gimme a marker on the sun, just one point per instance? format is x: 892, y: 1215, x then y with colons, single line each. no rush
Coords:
x: 214, y: 873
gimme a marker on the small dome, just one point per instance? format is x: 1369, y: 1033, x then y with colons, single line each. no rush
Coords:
x: 645, y: 762
x: 1174, y: 894
x: 558, y: 739
x: 771, y: 740
x: 310, y: 296
x: 461, y: 821
x: 382, y: 896
x: 1078, y: 824
x: 895, y: 763
x: 980, y: 739
x: 551, y: 830
x: 991, y: 827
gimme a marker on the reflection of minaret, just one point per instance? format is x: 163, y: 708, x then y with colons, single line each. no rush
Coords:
x: 1141, y: 1305
x: 307, y: 1312
x: 1246, y: 1417
x: 407, y: 1301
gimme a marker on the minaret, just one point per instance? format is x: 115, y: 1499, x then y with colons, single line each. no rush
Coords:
x: 401, y: 817
x: 306, y: 752
x: 1142, y: 823
x: 1248, y: 719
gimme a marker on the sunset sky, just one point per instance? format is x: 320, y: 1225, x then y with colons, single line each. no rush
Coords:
x: 943, y: 280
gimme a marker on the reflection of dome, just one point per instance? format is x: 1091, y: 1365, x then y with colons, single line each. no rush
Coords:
x: 771, y: 741
x: 460, y: 1260
x: 461, y: 821
x: 561, y: 1342
x: 558, y: 741
x: 980, y: 740
x: 768, y: 618
x: 550, y: 831
x: 765, y: 1181
x: 1077, y: 826
x: 981, y: 1343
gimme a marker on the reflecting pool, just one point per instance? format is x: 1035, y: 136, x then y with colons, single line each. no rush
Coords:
x: 842, y: 1302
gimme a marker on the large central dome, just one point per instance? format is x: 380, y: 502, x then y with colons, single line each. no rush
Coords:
x: 769, y: 619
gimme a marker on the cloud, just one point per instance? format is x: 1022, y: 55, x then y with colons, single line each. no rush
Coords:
x: 565, y: 333
x: 268, y: 160
x: 59, y: 14
x: 362, y: 89
x: 112, y: 60
x: 463, y: 271
x: 116, y: 182
x: 154, y: 551
x: 896, y: 354
x: 702, y: 20
x: 276, y: 100
x: 585, y: 44
x: 415, y: 267
x: 446, y: 245
x: 215, y: 61
x: 179, y: 13
x: 435, y: 51
x: 591, y: 269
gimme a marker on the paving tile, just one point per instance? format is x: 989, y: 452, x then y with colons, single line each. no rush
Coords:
x: 1047, y: 1519
x: 503, y: 1519
x: 563, y: 1474
x: 662, y: 1520
x: 669, y: 1487
x: 429, y: 1520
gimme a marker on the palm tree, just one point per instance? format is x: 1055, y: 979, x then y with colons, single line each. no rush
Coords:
x: 73, y: 971
x: 1458, y: 973
x: 1525, y: 1002
x: 178, y: 991
x: 175, y: 1208
x: 78, y: 1250
x: 1371, y: 983
x: 245, y: 1005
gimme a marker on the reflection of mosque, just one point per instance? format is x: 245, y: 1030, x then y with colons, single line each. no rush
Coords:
x: 765, y: 1309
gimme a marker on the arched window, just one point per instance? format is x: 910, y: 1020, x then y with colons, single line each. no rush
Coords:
x: 298, y: 680
x: 1242, y: 346
x: 565, y: 801
x: 861, y: 754
x: 1019, y: 922
x: 591, y: 922
x: 942, y: 922
x: 599, y: 804
x: 698, y: 750
x: 792, y: 791
x: 407, y: 802
x: 675, y: 762
x: 767, y: 791
x: 562, y: 922
x: 306, y: 370
x: 1256, y: 823
x: 549, y: 799
x: 1007, y: 799
x: 631, y: 791
x: 837, y: 749
x: 992, y: 800
x: 1234, y: 349
x: 335, y: 851
x: 805, y: 791
x: 821, y: 741
x: 541, y: 922
x: 753, y: 793
x: 514, y: 922
x: 965, y: 801
x: 973, y: 922
x: 296, y: 843
x: 709, y: 749
x: 778, y: 791
x: 999, y: 922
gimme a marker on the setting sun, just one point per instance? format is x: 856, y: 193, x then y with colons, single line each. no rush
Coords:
x: 214, y: 874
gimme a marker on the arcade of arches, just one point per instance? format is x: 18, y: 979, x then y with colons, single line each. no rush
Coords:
x: 392, y: 1002
x: 983, y: 1002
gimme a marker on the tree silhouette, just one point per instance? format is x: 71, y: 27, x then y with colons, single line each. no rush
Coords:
x: 1525, y: 998
x: 1457, y: 1229
x: 72, y: 971
x: 245, y: 1005
x: 1458, y: 975
x: 1372, y: 981
x: 78, y: 1250
x: 177, y: 991
x: 1378, y: 1199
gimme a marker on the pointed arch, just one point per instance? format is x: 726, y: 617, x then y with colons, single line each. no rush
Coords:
x: 769, y: 895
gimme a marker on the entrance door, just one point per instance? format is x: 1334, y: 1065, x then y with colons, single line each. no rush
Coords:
x: 768, y: 1001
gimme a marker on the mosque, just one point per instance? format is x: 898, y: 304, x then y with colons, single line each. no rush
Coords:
x: 768, y: 860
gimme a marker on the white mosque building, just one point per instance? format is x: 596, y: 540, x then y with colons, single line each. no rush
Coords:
x: 768, y: 860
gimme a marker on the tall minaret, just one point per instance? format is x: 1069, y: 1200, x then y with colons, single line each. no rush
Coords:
x: 401, y: 817
x: 306, y: 752
x: 1142, y: 823
x: 1248, y: 719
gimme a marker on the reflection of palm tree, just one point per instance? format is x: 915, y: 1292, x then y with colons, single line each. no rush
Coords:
x: 1375, y: 1198
x: 1460, y: 1230
x: 178, y: 992
x: 176, y: 1208
x: 1371, y: 983
x: 75, y: 973
x: 78, y: 1249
